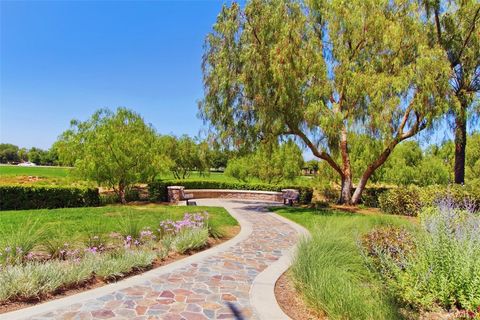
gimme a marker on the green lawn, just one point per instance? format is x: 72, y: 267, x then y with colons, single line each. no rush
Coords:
x: 49, y: 172
x: 62, y: 176
x: 330, y: 271
x: 74, y: 224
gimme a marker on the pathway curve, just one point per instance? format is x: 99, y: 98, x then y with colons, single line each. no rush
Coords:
x: 215, y: 284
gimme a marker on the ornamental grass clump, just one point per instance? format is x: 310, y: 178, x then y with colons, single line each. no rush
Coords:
x: 444, y: 269
x: 190, y: 239
x: 17, y: 244
x: 33, y: 266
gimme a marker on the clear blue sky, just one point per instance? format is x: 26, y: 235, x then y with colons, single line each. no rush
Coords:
x: 62, y: 60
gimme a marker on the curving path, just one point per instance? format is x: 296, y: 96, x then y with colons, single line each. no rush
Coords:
x: 234, y: 280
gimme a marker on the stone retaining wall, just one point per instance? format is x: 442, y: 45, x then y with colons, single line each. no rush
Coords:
x: 235, y: 194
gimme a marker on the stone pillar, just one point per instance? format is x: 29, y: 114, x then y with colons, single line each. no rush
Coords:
x: 175, y: 194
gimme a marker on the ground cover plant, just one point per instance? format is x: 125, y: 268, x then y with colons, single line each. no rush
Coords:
x: 329, y: 270
x: 441, y: 270
x: 47, y: 251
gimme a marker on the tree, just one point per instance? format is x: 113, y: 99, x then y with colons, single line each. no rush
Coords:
x: 454, y: 25
x: 239, y: 168
x: 186, y: 155
x: 322, y: 71
x: 37, y: 155
x: 472, y: 162
x: 8, y: 153
x: 115, y: 149
x: 270, y: 163
x: 312, y: 166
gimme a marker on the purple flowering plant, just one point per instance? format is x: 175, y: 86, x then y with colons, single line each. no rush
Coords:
x: 189, y: 221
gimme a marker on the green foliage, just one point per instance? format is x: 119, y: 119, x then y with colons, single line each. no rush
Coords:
x: 472, y: 161
x: 185, y: 155
x: 114, y: 149
x: 324, y: 71
x: 239, y: 168
x: 8, y: 153
x: 190, y: 239
x: 403, y: 201
x: 395, y: 242
x: 17, y: 197
x: 35, y: 280
x: 116, y: 264
x: 444, y: 268
x: 16, y: 244
x: 158, y: 189
x: 270, y: 163
x: 42, y: 157
x: 329, y: 269
x: 410, y: 200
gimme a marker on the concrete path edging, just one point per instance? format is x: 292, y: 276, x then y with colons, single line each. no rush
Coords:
x: 259, y: 231
x: 262, y: 293
x: 245, y: 231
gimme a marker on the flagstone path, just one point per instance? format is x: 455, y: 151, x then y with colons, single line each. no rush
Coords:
x: 214, y: 284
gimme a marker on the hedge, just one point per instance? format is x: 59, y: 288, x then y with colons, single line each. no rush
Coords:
x: 17, y: 197
x: 369, y: 198
x: 158, y: 189
x: 411, y: 200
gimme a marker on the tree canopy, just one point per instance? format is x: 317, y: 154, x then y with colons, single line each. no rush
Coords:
x: 115, y: 149
x: 322, y: 71
x: 270, y: 163
x: 454, y: 26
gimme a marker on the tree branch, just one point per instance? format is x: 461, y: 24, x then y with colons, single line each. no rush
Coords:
x: 317, y: 153
x: 467, y: 39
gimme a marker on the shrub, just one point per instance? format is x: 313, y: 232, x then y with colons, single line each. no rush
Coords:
x: 34, y: 280
x: 393, y: 242
x: 403, y: 201
x: 412, y: 199
x: 370, y: 196
x: 190, y: 239
x: 46, y: 197
x: 110, y: 198
x: 158, y: 189
x: 116, y: 264
x: 445, y: 269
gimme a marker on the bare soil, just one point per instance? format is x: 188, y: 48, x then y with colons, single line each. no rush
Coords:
x: 291, y: 303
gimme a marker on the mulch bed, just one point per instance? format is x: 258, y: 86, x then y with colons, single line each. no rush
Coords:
x: 291, y: 302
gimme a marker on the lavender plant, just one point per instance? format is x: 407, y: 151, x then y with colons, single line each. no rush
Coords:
x: 445, y: 269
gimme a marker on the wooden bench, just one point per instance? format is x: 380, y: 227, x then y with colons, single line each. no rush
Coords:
x: 290, y: 196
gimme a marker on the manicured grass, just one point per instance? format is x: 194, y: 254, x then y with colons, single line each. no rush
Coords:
x: 76, y: 224
x: 330, y: 270
x: 49, y: 172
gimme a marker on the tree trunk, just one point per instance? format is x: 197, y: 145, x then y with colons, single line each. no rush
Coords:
x: 357, y: 195
x: 460, y: 143
x: 121, y: 193
x: 346, y: 192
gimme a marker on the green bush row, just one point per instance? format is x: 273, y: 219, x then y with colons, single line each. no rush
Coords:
x: 46, y: 197
x: 411, y: 200
x: 158, y: 189
x: 370, y: 195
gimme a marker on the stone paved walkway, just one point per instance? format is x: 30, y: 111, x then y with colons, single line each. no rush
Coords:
x: 216, y: 287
